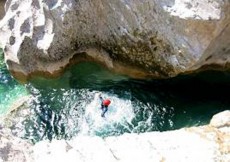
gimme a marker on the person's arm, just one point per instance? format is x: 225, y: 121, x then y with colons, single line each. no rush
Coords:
x: 100, y: 98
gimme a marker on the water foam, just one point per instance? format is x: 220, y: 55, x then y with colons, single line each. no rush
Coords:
x: 119, y: 113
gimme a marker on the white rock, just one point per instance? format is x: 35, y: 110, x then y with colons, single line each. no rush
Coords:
x: 221, y: 119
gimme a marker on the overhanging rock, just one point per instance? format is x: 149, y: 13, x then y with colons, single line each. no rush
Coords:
x: 155, y: 38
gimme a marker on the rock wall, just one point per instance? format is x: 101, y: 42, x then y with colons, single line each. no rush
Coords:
x: 209, y: 143
x: 151, y: 38
x: 2, y: 10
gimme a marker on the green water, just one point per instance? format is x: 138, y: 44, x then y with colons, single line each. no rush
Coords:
x: 69, y: 106
x: 10, y: 90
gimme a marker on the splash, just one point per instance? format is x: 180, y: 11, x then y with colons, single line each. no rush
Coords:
x: 69, y: 106
x: 119, y: 114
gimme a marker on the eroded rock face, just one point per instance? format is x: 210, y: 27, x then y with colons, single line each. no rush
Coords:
x: 155, y: 38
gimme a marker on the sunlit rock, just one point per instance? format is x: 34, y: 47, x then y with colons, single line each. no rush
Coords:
x: 206, y: 143
x: 14, y: 149
x: 221, y: 120
x: 150, y: 38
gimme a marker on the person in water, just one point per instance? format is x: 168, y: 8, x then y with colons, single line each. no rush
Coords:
x: 104, y: 105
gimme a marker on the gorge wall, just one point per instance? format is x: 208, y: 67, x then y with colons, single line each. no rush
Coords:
x: 152, y: 38
x: 158, y: 39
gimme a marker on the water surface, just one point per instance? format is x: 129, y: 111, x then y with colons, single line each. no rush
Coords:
x: 69, y: 106
x: 10, y: 90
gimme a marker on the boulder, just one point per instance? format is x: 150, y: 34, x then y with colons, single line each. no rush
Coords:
x: 158, y: 39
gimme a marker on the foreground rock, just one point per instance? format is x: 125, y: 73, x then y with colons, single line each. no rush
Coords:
x: 151, y: 38
x: 14, y: 149
x: 209, y: 143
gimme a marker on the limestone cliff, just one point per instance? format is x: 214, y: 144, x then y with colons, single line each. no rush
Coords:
x: 140, y: 38
x: 210, y: 143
